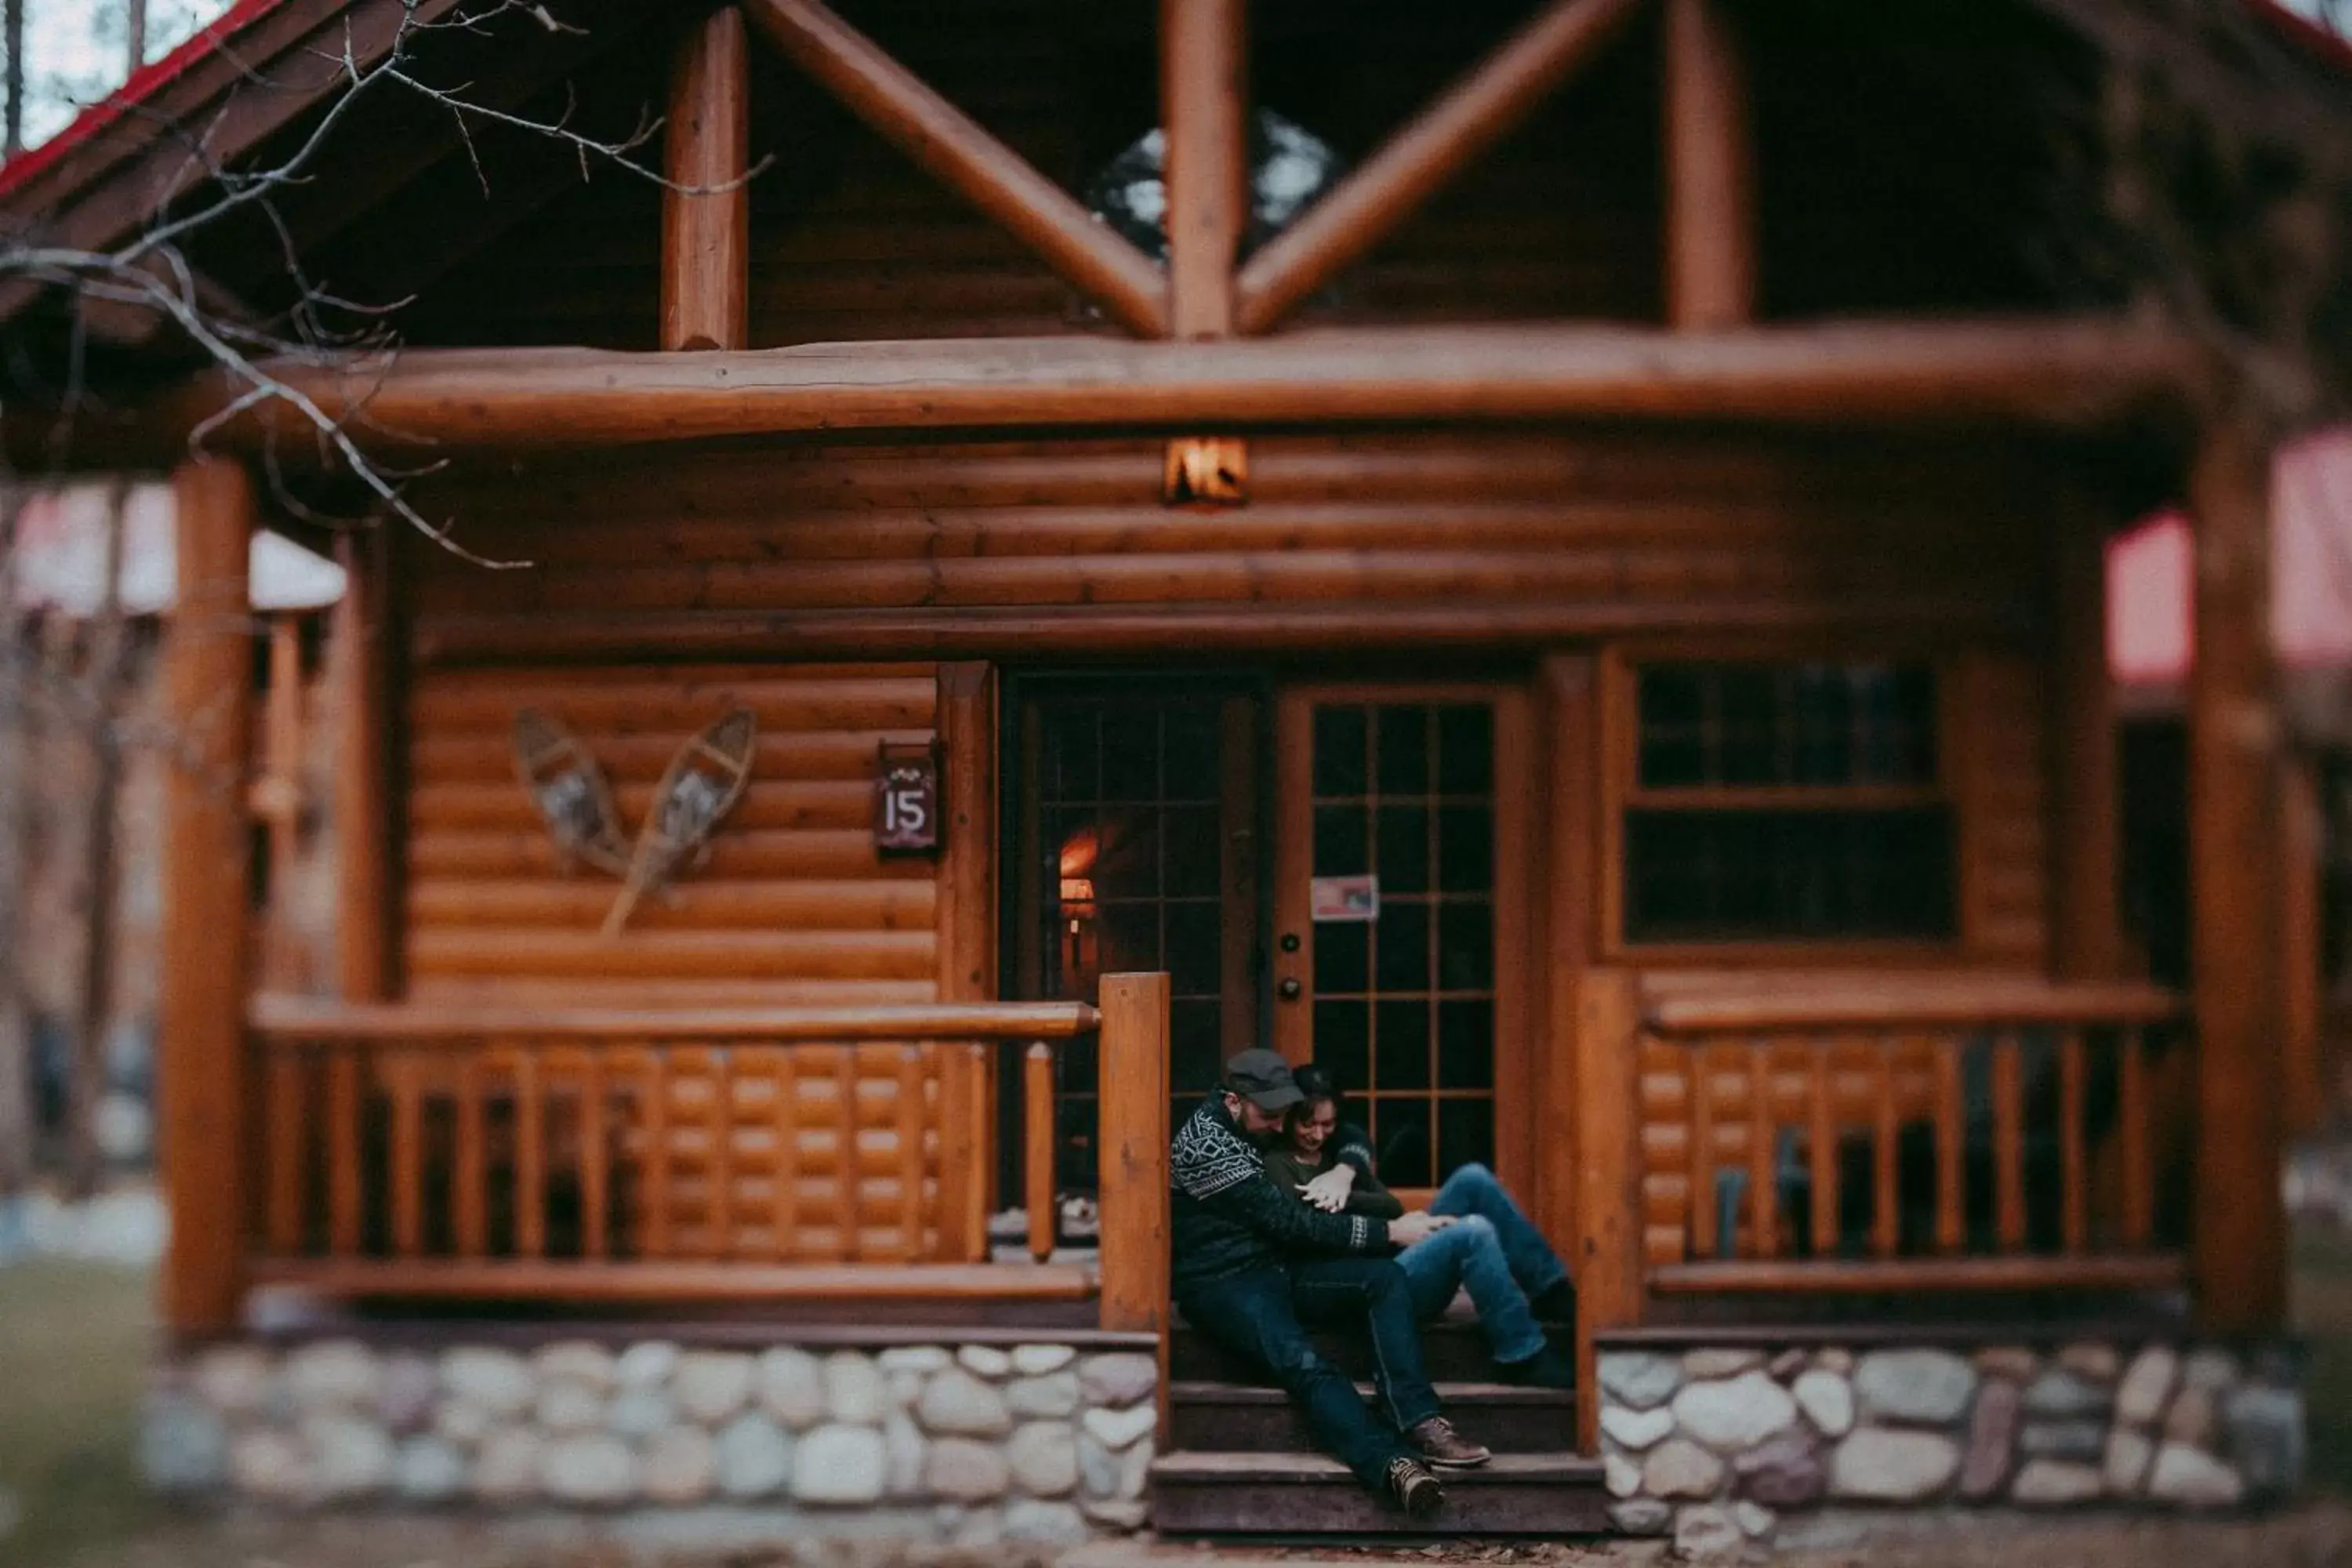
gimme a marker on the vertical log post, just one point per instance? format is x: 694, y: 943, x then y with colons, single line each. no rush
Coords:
x: 365, y: 824
x: 965, y: 720
x: 706, y: 224
x: 1608, y: 1252
x: 1133, y: 1175
x: 1569, y: 721
x: 1037, y: 1151
x: 1710, y: 178
x: 1203, y: 104
x: 207, y: 929
x: 2238, y: 1221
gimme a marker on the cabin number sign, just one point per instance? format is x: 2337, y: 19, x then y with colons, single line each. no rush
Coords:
x: 907, y: 800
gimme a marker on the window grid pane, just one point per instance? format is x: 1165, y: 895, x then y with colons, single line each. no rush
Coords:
x: 1404, y: 1005
x: 1127, y: 878
x: 1806, y: 868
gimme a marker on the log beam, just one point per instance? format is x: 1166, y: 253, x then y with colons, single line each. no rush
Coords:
x: 207, y: 928
x: 1710, y: 172
x: 1203, y: 104
x: 1468, y: 118
x: 1093, y: 631
x: 906, y: 112
x: 2238, y: 1223
x: 706, y: 207
x: 2060, y: 372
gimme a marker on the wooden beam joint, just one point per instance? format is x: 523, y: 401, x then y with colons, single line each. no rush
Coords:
x: 706, y: 207
x: 910, y: 115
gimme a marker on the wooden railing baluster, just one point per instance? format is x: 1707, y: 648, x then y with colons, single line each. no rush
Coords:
x: 1951, y: 1146
x: 346, y: 1201
x: 1761, y: 1173
x: 718, y: 1169
x: 848, y: 1178
x: 1037, y: 1147
x: 963, y: 1218
x: 2009, y: 1141
x: 405, y: 1075
x: 2132, y: 1125
x: 2074, y: 1185
x: 286, y: 1134
x: 911, y: 1152
x: 1702, y: 1154
x: 785, y: 1220
x: 1885, y: 1222
x: 530, y: 1153
x: 595, y: 1192
x: 469, y: 1173
x: 1823, y: 1154
x: 660, y: 1156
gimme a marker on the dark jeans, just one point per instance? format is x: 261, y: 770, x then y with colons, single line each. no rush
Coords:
x: 1495, y: 1252
x: 1259, y: 1318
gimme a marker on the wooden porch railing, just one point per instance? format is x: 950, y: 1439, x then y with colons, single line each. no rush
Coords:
x: 418, y: 1151
x: 1961, y: 1134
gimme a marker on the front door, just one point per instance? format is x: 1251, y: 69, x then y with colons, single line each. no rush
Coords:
x: 1333, y: 869
x: 1398, y: 963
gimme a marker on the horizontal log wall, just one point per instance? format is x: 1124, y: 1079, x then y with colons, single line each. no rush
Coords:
x: 1689, y: 524
x: 793, y: 905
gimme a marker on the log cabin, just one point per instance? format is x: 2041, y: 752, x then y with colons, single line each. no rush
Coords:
x: 1545, y: 557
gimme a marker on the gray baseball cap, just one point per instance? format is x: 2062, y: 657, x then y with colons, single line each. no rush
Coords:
x: 1263, y: 1079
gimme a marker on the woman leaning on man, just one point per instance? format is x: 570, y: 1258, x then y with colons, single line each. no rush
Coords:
x: 1516, y: 1282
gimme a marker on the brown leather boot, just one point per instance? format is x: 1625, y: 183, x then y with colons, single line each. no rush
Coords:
x: 1445, y: 1447
x: 1414, y: 1488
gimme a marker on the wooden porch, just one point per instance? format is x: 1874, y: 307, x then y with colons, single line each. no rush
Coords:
x: 621, y: 1161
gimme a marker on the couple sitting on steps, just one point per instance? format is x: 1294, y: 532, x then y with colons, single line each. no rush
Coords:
x: 1278, y: 1221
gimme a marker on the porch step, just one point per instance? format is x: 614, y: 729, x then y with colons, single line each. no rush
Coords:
x: 1284, y: 1494
x: 1230, y: 1418
x: 1453, y: 1349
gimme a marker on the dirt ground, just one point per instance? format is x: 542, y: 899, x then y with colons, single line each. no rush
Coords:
x: 74, y: 1339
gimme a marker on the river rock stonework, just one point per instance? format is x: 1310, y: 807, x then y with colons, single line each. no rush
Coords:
x: 1714, y: 1444
x: 1032, y: 1442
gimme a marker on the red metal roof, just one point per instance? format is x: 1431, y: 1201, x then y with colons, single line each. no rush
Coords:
x: 17, y: 171
x: 2150, y: 630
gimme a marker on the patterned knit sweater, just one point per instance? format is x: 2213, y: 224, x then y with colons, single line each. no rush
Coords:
x: 1226, y: 1217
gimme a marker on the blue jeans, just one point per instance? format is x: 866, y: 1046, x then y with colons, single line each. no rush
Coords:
x: 1258, y: 1318
x: 1495, y: 1252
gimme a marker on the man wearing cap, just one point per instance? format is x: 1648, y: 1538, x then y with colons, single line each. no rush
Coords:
x: 1253, y: 1266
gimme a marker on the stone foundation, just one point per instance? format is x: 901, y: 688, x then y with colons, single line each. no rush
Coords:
x: 975, y: 1443
x: 1714, y: 1446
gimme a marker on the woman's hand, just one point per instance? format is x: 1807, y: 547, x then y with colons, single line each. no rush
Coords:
x: 1328, y: 1192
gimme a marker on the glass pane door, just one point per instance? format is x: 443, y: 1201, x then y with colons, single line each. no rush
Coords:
x: 1136, y: 842
x: 1386, y: 967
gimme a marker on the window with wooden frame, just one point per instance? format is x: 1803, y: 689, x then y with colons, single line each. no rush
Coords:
x: 1779, y: 802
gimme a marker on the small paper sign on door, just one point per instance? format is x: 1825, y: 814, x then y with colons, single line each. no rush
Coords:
x: 1345, y: 897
